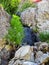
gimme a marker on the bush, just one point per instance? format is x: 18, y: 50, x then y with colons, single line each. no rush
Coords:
x: 44, y: 37
x: 25, y: 5
x: 10, y: 5
x: 16, y: 31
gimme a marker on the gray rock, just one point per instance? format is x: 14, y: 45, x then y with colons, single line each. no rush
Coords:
x: 4, y: 22
x: 42, y: 58
x: 37, y: 43
x: 28, y: 17
x: 4, y: 54
x: 43, y: 16
x: 38, y: 55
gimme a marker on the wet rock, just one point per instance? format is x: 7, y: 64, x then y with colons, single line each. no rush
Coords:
x: 18, y: 14
x: 30, y: 37
x: 4, y: 22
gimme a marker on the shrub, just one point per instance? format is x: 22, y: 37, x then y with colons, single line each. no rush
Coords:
x: 25, y: 5
x: 16, y: 31
x: 44, y: 37
x: 10, y: 5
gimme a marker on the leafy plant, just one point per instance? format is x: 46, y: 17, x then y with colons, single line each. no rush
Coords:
x: 26, y: 4
x: 16, y: 31
x: 44, y: 36
x: 10, y: 5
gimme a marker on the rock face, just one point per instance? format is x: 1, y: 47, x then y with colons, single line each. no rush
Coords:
x: 4, y: 22
x: 43, y: 16
x: 28, y: 17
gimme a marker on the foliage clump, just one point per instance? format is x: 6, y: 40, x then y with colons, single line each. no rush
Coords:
x: 25, y: 5
x: 16, y: 31
x: 44, y: 36
x: 10, y: 5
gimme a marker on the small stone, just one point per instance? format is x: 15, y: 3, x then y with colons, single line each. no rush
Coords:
x: 37, y: 44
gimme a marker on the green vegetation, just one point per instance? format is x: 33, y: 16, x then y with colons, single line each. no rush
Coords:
x: 26, y: 4
x: 44, y: 37
x: 16, y: 31
x: 10, y: 5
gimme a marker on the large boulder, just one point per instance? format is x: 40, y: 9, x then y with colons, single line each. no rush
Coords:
x: 38, y: 17
x: 4, y: 22
x: 43, y: 16
x: 28, y: 17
